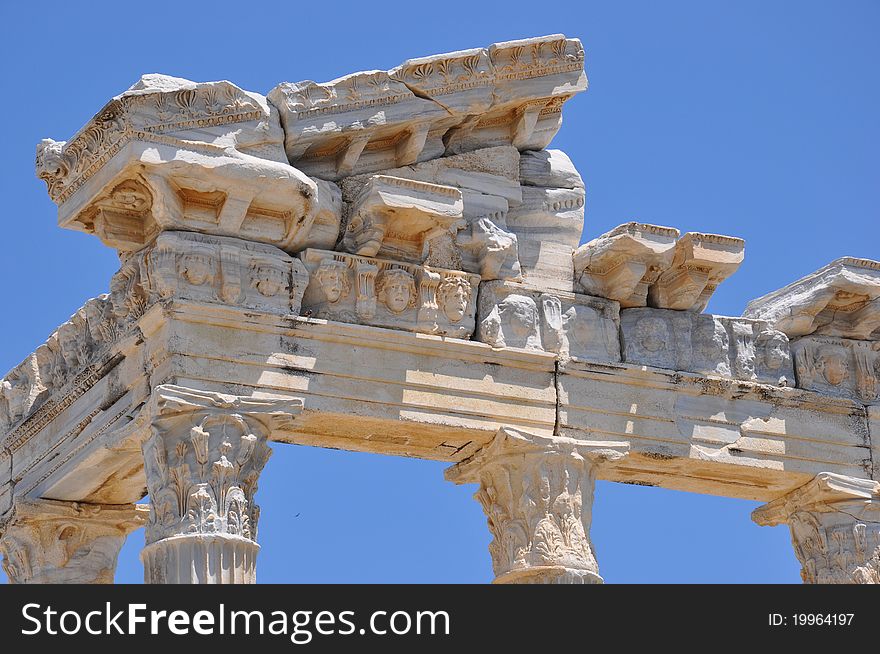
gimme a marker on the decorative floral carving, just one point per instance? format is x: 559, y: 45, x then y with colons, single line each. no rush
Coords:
x: 537, y: 496
x: 835, y: 548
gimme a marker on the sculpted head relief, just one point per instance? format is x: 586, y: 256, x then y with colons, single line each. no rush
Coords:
x: 268, y: 279
x: 833, y: 364
x: 519, y: 316
x: 195, y: 268
x: 396, y: 288
x: 454, y: 295
x: 773, y: 347
x: 333, y: 276
x: 652, y: 333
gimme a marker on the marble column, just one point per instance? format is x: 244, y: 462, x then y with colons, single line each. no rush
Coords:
x: 202, y: 461
x: 835, y: 528
x: 55, y: 542
x: 537, y: 493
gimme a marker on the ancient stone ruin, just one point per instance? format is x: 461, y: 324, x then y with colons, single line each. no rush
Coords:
x: 389, y: 262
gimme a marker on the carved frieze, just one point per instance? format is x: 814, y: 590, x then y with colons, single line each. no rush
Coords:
x: 384, y: 293
x: 173, y: 154
x: 838, y: 366
x: 841, y: 299
x: 508, y: 94
x: 573, y: 326
x: 713, y: 345
x: 180, y: 265
x: 223, y: 270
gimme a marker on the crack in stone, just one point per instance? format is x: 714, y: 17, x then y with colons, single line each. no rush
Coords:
x: 416, y: 91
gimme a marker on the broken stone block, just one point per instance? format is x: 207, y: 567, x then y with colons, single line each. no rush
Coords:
x: 700, y: 262
x: 203, y: 268
x: 395, y: 294
x: 841, y: 299
x: 571, y: 325
x: 489, y: 184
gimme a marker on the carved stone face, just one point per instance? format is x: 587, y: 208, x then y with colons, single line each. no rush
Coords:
x: 653, y: 334
x: 50, y: 163
x: 397, y: 289
x: 775, y: 353
x: 835, y: 368
x: 268, y: 280
x: 454, y: 298
x: 579, y: 325
x: 333, y: 280
x: 519, y: 315
x: 196, y: 269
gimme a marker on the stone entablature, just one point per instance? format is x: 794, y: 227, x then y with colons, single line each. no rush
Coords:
x: 507, y: 94
x: 435, y: 303
x: 571, y: 325
x: 840, y: 299
x: 173, y: 154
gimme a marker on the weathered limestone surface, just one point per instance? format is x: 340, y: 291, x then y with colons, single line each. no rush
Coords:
x: 736, y: 348
x: 841, y: 299
x: 508, y: 94
x: 639, y: 265
x: 579, y: 326
x: 488, y: 180
x: 435, y: 303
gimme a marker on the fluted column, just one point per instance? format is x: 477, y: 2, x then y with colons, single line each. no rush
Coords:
x: 202, y: 461
x: 537, y: 493
x: 54, y: 542
x: 835, y: 528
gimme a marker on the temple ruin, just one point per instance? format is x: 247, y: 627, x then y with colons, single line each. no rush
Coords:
x: 390, y: 262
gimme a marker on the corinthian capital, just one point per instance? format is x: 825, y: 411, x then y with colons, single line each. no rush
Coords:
x: 835, y: 528
x: 54, y: 542
x: 537, y: 493
x: 202, y: 461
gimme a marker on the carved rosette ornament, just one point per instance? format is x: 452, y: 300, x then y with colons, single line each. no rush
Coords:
x: 835, y: 528
x: 202, y: 461
x: 537, y: 493
x: 54, y: 542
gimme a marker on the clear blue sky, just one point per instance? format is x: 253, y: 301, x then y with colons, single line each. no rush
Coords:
x: 756, y: 119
